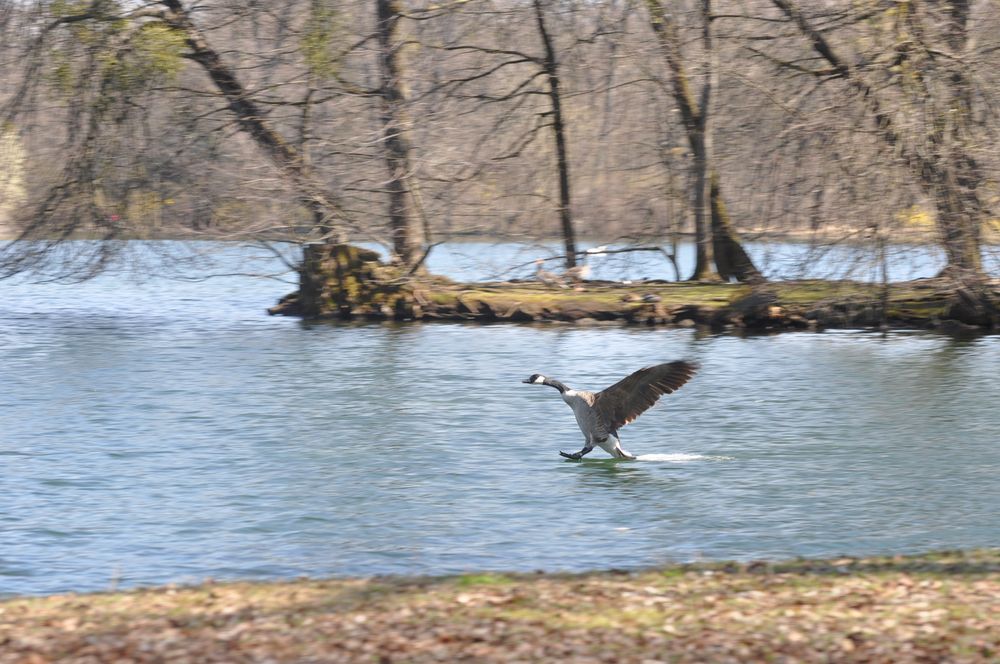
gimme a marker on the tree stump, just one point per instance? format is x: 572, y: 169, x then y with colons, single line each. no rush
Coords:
x: 345, y: 281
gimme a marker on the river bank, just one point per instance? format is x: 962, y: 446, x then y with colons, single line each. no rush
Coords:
x: 932, y: 607
x: 786, y: 305
x: 346, y: 282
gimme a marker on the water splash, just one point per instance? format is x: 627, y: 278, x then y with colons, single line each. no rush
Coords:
x: 680, y: 458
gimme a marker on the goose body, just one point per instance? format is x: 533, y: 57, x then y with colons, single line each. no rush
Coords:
x: 578, y: 273
x: 600, y: 414
x: 550, y: 279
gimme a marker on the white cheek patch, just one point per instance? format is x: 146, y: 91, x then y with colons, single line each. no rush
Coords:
x: 540, y: 379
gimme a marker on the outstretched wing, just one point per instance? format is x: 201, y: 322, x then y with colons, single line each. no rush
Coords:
x: 632, y: 396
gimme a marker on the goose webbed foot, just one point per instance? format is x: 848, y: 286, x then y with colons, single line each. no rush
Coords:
x: 577, y: 455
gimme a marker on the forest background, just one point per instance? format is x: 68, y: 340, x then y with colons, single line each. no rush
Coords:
x: 407, y: 123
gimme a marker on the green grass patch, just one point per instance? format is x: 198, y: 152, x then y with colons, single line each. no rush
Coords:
x: 472, y: 580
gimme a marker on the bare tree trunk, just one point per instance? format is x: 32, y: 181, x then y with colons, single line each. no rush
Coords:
x: 407, y: 234
x: 704, y: 260
x: 252, y: 119
x: 551, y: 65
x: 946, y: 171
x: 715, y: 238
x: 705, y: 257
x: 730, y: 256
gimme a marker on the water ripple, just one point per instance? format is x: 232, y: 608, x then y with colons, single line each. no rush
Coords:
x: 145, y: 444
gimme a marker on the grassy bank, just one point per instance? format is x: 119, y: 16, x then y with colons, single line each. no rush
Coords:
x: 929, y: 608
x: 798, y: 304
x: 813, y: 304
x: 348, y: 282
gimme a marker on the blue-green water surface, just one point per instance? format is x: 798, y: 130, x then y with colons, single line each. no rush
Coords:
x: 169, y: 432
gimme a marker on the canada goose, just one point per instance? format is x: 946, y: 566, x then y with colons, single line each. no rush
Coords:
x: 577, y: 273
x: 546, y: 277
x: 601, y: 414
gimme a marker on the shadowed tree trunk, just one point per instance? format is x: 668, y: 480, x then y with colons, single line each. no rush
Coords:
x: 551, y: 66
x: 731, y: 258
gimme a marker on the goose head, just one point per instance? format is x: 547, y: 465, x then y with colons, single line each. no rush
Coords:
x: 535, y: 378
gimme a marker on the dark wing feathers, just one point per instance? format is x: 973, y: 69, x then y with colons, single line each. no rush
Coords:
x: 630, y: 397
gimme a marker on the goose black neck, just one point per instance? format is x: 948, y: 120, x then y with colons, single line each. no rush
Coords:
x: 556, y: 384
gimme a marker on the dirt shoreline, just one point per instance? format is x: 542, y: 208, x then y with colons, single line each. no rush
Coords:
x: 775, y: 306
x: 926, y: 608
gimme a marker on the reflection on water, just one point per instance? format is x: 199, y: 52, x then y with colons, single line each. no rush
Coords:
x: 169, y: 431
x: 627, y: 482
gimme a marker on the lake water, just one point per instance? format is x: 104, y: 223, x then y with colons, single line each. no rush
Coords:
x: 472, y: 261
x: 167, y: 431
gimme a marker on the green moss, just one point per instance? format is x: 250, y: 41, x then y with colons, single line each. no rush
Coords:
x: 63, y: 8
x: 918, y: 310
x: 467, y: 580
x: 613, y: 298
x: 811, y: 292
x: 158, y: 51
x: 442, y: 298
x: 321, y: 32
x: 61, y: 75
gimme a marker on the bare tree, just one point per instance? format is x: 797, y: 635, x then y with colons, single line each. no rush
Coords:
x: 715, y: 239
x: 938, y: 155
x: 114, y: 62
x: 252, y: 120
x: 390, y: 121
x: 502, y: 82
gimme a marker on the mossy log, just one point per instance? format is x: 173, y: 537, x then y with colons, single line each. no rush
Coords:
x: 347, y: 282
